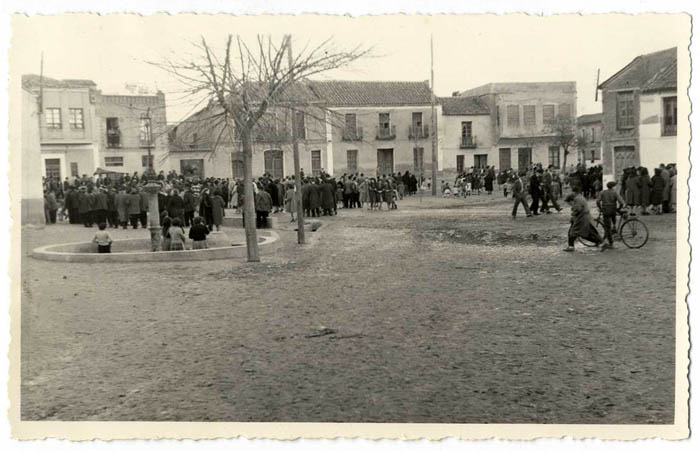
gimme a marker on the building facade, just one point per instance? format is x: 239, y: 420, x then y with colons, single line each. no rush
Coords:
x: 82, y: 129
x: 128, y: 126
x: 68, y: 128
x: 378, y: 128
x: 466, y: 136
x: 639, y: 114
x: 520, y: 114
x: 589, y: 137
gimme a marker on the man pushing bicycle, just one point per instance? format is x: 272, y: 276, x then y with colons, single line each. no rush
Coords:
x: 607, y: 202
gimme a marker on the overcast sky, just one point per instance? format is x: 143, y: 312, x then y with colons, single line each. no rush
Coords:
x: 114, y: 50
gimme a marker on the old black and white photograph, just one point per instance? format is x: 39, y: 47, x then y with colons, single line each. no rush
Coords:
x: 395, y: 220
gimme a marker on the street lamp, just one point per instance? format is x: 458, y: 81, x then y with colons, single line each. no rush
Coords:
x: 152, y: 188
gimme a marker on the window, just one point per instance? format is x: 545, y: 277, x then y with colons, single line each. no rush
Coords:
x: 529, y: 116
x: 53, y: 168
x: 75, y: 118
x: 460, y: 163
x: 513, y: 116
x: 593, y: 137
x: 237, y: 168
x: 417, y: 120
x: 114, y: 161
x: 466, y: 129
x: 301, y: 125
x: 350, y: 123
x: 565, y: 110
x: 547, y: 113
x: 113, y: 132
x: 316, y: 162
x: 625, y: 110
x: 145, y: 131
x: 53, y: 117
x: 480, y: 161
x: 352, y: 161
x: 418, y: 160
x: 146, y: 162
x: 554, y: 156
x: 384, y: 126
x: 74, y: 170
x: 670, y: 116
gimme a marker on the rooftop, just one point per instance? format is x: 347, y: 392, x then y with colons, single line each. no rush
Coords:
x: 665, y: 80
x: 33, y: 81
x: 463, y: 106
x: 657, y: 67
x: 499, y: 88
x: 372, y: 93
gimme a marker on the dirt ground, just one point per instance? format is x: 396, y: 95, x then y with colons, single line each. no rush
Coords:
x: 442, y: 311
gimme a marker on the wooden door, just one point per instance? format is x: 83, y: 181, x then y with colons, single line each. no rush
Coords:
x: 385, y: 161
x: 524, y: 158
x: 624, y: 158
x: 504, y: 158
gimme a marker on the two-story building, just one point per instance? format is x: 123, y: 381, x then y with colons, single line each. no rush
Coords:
x: 589, y: 132
x: 466, y: 138
x: 29, y: 159
x: 520, y: 114
x: 82, y: 129
x: 203, y: 145
x: 68, y: 129
x: 639, y: 114
x: 377, y: 127
x: 128, y: 126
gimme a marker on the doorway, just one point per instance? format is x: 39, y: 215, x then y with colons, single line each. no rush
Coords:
x: 624, y: 158
x: 385, y: 161
x: 274, y: 163
x: 524, y: 158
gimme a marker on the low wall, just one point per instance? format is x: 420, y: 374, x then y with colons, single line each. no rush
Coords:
x: 125, y: 251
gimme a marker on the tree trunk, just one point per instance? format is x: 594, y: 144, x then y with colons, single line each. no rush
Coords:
x: 251, y: 234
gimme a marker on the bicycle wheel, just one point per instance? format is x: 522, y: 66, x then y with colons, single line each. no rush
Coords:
x: 634, y: 233
x: 598, y: 224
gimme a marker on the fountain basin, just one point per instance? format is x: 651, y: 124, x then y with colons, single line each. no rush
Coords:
x: 139, y: 250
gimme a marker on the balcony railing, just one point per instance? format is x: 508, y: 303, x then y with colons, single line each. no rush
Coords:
x: 353, y: 135
x: 467, y: 142
x: 418, y: 132
x: 114, y: 138
x: 385, y: 134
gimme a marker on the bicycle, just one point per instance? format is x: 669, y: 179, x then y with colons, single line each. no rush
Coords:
x: 631, y: 230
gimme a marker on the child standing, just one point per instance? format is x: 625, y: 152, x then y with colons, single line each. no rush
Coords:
x: 103, y: 240
x: 177, y: 236
x: 198, y: 234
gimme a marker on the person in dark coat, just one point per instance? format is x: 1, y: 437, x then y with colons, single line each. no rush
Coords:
x: 188, y: 206
x: 644, y: 184
x: 488, y: 182
x: 580, y: 221
x: 328, y: 197
x: 306, y: 198
x: 72, y: 206
x: 176, y: 206
x: 84, y: 207
x: 535, y: 191
x: 315, y: 199
x: 100, y: 199
x: 122, y: 202
x: 658, y: 184
x: 112, y: 213
x: 217, y: 209
x: 205, y: 210
x: 263, y: 206
x: 134, y: 208
x: 143, y: 216
x: 272, y: 191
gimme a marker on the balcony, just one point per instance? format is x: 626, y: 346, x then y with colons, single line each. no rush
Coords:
x: 350, y: 135
x: 418, y: 132
x: 467, y: 142
x: 386, y: 134
x: 114, y: 137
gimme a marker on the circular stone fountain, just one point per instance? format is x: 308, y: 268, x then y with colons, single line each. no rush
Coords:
x: 221, y: 245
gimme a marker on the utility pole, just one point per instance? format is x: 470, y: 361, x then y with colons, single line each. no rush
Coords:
x: 295, y: 146
x: 149, y: 137
x: 40, y: 100
x: 433, y: 121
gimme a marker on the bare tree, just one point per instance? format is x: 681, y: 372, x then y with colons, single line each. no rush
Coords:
x: 242, y: 83
x: 563, y: 129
